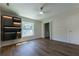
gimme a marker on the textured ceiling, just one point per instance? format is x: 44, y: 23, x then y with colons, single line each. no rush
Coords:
x: 32, y: 10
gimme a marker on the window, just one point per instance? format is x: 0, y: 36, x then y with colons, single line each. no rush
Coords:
x: 27, y: 29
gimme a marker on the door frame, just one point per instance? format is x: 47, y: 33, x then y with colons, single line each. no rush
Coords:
x: 50, y: 29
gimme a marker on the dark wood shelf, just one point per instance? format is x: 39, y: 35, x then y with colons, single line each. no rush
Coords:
x: 11, y: 28
x: 9, y: 32
x: 17, y: 24
x: 15, y: 19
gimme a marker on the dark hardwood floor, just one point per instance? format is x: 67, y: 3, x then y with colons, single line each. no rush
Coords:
x: 41, y: 47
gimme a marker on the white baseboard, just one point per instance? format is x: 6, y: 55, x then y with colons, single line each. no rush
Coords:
x: 65, y: 41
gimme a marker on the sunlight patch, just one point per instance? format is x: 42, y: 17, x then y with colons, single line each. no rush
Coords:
x: 21, y: 43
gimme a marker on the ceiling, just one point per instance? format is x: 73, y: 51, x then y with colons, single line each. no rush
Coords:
x: 32, y: 10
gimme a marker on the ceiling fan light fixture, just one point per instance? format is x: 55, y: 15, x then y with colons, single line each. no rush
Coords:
x: 41, y: 12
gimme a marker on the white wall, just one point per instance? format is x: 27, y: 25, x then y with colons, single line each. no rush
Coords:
x: 65, y: 27
x: 59, y: 29
x: 37, y: 28
x: 73, y: 28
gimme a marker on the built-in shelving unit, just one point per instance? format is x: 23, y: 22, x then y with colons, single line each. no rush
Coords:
x: 10, y: 28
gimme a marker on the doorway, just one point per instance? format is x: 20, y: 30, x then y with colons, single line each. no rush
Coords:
x: 47, y: 30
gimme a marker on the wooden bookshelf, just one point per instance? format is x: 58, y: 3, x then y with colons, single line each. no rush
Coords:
x: 10, y: 28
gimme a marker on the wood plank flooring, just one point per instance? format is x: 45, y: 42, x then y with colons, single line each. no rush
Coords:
x: 41, y: 47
